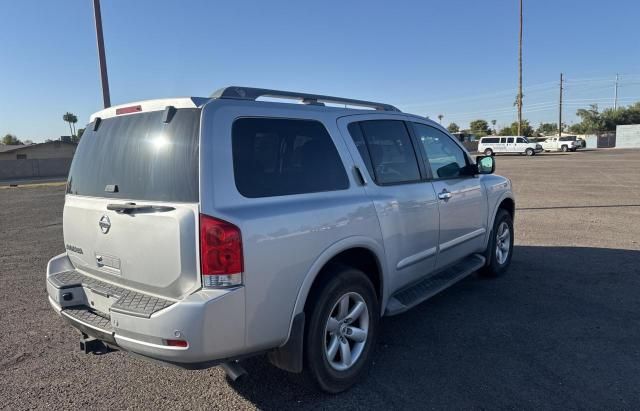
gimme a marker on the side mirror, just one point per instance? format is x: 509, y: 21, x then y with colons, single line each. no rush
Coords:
x: 485, y: 164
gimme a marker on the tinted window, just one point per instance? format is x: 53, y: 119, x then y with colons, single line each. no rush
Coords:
x: 503, y: 140
x: 275, y: 157
x: 358, y: 138
x: 393, y: 158
x: 139, y: 157
x: 490, y: 140
x: 521, y: 140
x: 446, y: 158
x: 510, y: 140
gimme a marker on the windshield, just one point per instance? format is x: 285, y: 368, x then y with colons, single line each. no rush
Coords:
x: 139, y: 157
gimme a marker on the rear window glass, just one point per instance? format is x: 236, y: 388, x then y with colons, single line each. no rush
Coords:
x: 276, y: 157
x: 392, y: 155
x: 490, y: 140
x: 139, y: 157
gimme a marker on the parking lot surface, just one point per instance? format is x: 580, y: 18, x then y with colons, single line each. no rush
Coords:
x: 560, y: 330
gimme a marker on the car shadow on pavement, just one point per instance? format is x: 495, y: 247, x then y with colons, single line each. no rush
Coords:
x: 559, y: 329
x: 577, y: 207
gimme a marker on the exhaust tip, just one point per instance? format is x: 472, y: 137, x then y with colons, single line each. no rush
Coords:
x: 233, y: 370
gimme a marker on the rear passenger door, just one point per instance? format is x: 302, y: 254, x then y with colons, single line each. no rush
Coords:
x: 511, y: 145
x: 406, y: 204
x: 462, y: 201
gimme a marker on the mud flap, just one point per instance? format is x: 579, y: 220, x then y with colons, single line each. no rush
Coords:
x: 289, y: 357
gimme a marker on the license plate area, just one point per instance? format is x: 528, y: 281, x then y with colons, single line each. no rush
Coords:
x: 99, y: 300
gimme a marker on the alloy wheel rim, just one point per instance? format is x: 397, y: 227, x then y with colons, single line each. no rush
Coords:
x: 503, y: 242
x: 346, y: 331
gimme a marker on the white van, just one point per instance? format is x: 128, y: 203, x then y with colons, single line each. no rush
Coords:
x: 508, y: 144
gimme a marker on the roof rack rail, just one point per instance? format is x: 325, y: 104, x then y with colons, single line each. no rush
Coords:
x: 250, y: 93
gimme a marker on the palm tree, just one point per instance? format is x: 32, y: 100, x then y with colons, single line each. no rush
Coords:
x: 71, y: 119
x: 493, y: 123
x: 74, y: 120
x: 440, y: 117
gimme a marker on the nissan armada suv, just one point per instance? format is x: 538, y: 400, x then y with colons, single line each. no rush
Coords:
x: 200, y: 231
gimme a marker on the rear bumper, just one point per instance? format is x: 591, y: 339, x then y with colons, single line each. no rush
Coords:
x: 211, y: 321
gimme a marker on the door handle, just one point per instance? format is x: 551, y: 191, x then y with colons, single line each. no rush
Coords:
x: 444, y: 195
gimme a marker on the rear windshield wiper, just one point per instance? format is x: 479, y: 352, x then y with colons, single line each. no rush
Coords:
x: 128, y: 208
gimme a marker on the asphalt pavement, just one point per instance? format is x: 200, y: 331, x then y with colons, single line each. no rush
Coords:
x: 559, y: 331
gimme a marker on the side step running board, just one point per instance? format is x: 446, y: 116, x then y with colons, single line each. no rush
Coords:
x: 409, y: 297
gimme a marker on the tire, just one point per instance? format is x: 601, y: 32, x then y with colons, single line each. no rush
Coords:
x: 529, y: 152
x: 337, y: 374
x: 564, y: 149
x: 497, y: 263
x: 488, y: 152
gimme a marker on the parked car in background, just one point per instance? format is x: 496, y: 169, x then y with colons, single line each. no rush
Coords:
x: 508, y: 145
x: 199, y: 231
x: 564, y: 143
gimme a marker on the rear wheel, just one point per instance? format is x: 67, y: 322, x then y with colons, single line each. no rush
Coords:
x: 529, y: 152
x: 488, y: 152
x: 500, y: 247
x: 342, y: 330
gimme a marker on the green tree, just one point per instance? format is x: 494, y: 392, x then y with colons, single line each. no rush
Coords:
x: 512, y: 130
x: 453, y: 128
x: 493, y: 123
x: 547, y: 129
x: 11, y: 140
x: 591, y: 119
x: 72, y: 120
x: 479, y: 127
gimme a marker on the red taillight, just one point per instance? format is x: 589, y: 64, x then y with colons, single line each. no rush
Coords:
x: 177, y: 343
x: 127, y: 110
x: 221, y: 261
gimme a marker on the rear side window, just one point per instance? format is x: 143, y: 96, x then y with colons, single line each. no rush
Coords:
x: 276, y: 157
x: 392, y: 156
x: 490, y: 140
x: 139, y: 157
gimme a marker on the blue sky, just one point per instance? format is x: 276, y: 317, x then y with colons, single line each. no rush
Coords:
x: 456, y: 58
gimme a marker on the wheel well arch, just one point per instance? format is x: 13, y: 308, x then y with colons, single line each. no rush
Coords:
x: 360, y: 258
x: 509, y: 205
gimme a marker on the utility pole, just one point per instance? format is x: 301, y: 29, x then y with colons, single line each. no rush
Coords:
x: 560, y: 109
x: 106, y: 98
x: 615, y: 98
x: 520, y: 76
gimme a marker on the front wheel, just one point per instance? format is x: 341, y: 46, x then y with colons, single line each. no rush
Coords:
x: 500, y: 247
x: 529, y: 152
x: 342, y: 329
x: 564, y: 149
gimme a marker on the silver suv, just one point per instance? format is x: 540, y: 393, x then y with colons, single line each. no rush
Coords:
x: 199, y: 231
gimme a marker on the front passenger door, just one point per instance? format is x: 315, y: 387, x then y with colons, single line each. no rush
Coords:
x: 462, y: 202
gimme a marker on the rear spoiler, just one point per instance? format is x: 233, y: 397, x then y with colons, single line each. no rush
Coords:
x: 149, y: 105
